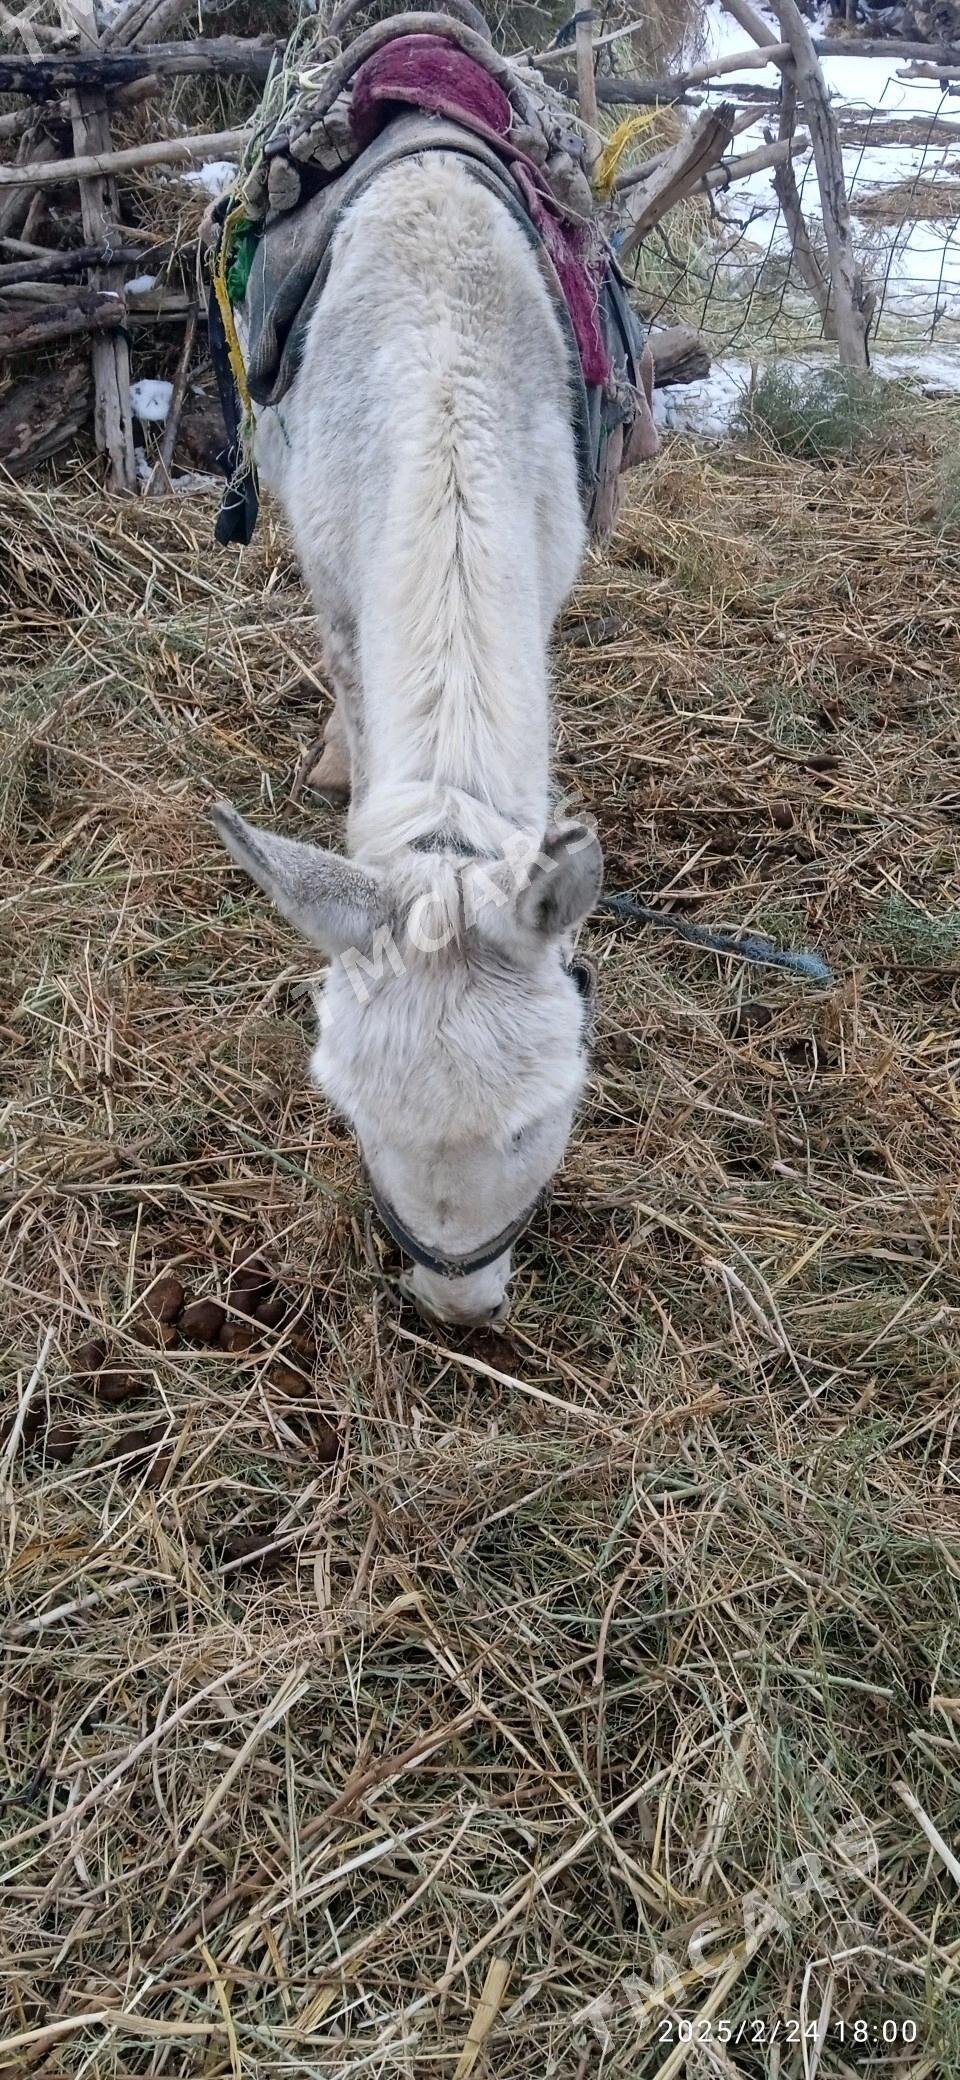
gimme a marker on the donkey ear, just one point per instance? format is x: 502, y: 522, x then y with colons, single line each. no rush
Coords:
x: 564, y: 882
x: 334, y: 904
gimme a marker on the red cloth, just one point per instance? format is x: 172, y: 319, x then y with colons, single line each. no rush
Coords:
x: 426, y: 72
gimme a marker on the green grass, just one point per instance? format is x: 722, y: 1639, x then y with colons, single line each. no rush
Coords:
x: 825, y: 415
x: 914, y: 935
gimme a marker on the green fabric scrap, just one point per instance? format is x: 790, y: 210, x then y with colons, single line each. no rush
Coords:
x: 245, y: 245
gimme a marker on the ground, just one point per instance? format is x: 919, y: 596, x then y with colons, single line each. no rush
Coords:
x: 599, y: 1679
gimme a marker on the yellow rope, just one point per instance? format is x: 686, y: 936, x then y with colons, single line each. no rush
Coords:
x: 617, y: 145
x: 222, y: 293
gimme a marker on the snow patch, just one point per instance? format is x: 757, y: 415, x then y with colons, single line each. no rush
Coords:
x: 932, y: 371
x: 188, y: 481
x: 708, y: 408
x: 864, y: 83
x: 213, y: 176
x: 151, y: 399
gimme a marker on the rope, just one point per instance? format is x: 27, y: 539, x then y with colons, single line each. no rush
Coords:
x: 617, y: 145
x: 746, y: 946
x: 231, y: 226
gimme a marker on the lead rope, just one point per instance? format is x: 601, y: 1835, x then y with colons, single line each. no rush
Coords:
x: 221, y: 272
x: 745, y: 946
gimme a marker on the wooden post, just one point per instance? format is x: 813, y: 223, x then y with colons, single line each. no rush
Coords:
x: 846, y: 290
x: 161, y: 151
x: 112, y: 413
x: 788, y: 196
x: 587, y: 88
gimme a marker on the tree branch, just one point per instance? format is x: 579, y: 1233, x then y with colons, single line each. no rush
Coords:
x: 164, y: 151
x: 90, y: 310
x: 40, y: 79
x: 846, y: 294
x: 680, y: 172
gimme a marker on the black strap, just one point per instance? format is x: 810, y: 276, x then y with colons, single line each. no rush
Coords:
x: 435, y: 1260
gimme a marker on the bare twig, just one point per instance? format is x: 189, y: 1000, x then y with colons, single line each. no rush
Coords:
x: 932, y: 1832
x: 171, y: 428
x: 12, y: 1445
x: 775, y: 155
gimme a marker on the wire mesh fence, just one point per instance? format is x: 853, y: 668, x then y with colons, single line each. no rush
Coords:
x: 730, y: 265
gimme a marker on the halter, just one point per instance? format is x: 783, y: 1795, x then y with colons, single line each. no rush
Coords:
x: 435, y: 1260
x: 467, y: 1262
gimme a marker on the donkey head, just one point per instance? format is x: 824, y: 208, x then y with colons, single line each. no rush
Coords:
x: 452, y: 1036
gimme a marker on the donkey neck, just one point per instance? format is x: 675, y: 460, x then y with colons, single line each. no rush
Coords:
x: 456, y: 706
x: 453, y: 632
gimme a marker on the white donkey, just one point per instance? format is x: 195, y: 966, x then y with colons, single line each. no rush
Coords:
x: 426, y: 462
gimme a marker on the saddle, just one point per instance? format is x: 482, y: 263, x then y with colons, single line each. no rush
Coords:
x: 414, y: 84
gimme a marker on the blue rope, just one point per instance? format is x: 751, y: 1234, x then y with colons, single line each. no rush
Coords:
x: 745, y: 947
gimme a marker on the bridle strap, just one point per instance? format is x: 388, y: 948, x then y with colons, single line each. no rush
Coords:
x: 435, y: 1260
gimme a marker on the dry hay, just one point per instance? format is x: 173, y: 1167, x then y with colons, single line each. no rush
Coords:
x: 607, y: 1639
x: 911, y: 202
x: 906, y: 131
x: 669, y: 33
